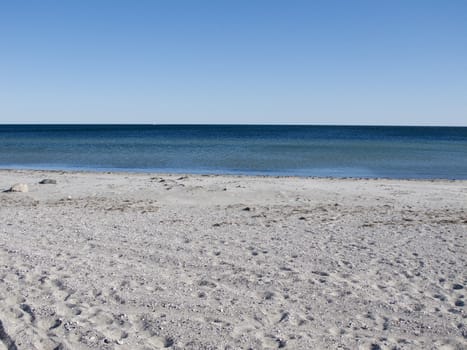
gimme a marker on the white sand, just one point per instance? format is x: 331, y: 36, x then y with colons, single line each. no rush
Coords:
x: 148, y: 261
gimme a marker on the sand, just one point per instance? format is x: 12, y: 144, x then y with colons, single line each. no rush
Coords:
x: 150, y: 261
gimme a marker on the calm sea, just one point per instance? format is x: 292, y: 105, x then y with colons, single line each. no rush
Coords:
x: 340, y: 151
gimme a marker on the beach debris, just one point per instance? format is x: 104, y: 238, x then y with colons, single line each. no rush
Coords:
x: 6, y: 339
x: 48, y: 182
x: 57, y: 323
x: 18, y: 188
x: 281, y: 343
x: 284, y: 317
x: 168, y: 342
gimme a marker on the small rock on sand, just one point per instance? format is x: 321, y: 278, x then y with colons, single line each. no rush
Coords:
x: 48, y: 182
x: 19, y: 188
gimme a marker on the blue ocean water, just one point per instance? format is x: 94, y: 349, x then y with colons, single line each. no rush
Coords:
x: 339, y: 151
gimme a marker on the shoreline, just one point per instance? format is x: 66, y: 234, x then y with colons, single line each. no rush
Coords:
x: 233, y: 175
x: 154, y: 261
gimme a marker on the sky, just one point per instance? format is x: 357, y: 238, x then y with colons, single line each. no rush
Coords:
x: 395, y: 62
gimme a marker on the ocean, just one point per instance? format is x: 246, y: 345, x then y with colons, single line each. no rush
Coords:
x: 325, y: 151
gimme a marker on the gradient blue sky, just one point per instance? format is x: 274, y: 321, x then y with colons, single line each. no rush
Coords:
x: 234, y: 61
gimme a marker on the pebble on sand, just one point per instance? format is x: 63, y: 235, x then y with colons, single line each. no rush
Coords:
x: 19, y: 188
x: 48, y: 182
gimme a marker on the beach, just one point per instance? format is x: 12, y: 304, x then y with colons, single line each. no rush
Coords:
x: 151, y: 261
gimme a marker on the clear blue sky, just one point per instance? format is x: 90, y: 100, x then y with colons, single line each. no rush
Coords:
x: 234, y: 61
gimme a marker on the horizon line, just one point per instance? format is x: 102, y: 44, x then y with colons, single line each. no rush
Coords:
x: 240, y: 124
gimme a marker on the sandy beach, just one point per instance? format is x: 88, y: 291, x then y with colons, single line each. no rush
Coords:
x: 152, y: 261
